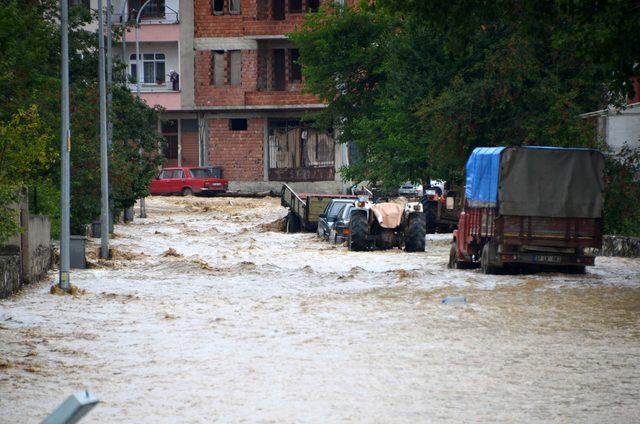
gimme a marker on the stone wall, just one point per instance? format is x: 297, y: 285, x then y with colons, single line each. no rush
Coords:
x: 628, y: 247
x: 9, y: 273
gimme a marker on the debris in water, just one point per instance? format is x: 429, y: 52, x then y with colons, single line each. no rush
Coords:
x: 279, y: 225
x: 169, y: 316
x: 74, y: 291
x: 171, y: 252
x: 454, y: 300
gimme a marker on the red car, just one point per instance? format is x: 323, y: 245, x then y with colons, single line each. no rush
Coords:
x: 188, y: 181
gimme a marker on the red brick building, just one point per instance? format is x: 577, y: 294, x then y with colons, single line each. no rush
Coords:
x: 247, y: 98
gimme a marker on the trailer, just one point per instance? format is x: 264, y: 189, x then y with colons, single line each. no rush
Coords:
x: 305, y: 208
x: 530, y: 207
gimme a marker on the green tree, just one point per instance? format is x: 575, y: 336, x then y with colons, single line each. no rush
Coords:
x: 416, y: 85
x: 30, y: 75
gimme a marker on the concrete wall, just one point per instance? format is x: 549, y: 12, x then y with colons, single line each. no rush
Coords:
x: 9, y: 274
x: 27, y: 256
x: 39, y: 252
x: 628, y: 247
x: 623, y: 127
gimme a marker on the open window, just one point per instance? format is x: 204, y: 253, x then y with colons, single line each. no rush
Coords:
x: 295, y: 69
x: 295, y: 6
x: 278, y: 70
x: 218, y: 7
x: 313, y: 5
x: 238, y: 124
x: 277, y: 11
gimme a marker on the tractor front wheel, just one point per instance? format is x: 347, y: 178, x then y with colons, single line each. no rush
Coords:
x: 358, y: 231
x: 414, y: 236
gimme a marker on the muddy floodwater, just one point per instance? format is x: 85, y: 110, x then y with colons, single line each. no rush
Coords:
x: 206, y: 313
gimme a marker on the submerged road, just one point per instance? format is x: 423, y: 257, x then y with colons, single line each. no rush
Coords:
x: 208, y: 314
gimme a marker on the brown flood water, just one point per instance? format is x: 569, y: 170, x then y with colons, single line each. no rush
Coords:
x: 241, y: 324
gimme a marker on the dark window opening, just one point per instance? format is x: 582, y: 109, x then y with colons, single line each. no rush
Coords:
x: 295, y: 6
x: 313, y: 5
x: 218, y: 7
x: 277, y: 12
x: 295, y: 69
x: 278, y: 70
x: 238, y: 124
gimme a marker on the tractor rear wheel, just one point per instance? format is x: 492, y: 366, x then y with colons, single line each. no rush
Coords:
x: 358, y: 231
x: 414, y: 236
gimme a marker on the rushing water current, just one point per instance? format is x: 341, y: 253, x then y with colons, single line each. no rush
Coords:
x: 207, y: 313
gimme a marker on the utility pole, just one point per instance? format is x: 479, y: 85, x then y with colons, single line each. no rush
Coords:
x: 109, y: 95
x: 143, y: 209
x: 104, y: 163
x: 109, y: 75
x: 65, y: 148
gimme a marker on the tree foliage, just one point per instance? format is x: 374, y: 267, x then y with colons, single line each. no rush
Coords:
x: 416, y: 85
x: 30, y: 84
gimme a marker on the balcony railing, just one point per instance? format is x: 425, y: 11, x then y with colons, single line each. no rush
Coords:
x: 162, y: 87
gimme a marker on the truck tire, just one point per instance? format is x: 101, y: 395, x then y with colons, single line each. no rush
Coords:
x: 454, y: 263
x: 414, y: 236
x: 358, y: 231
x: 293, y: 223
x: 485, y: 264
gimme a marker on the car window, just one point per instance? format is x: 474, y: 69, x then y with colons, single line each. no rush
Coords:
x: 344, y: 214
x: 178, y: 174
x: 165, y: 174
x: 200, y: 172
x: 335, y: 208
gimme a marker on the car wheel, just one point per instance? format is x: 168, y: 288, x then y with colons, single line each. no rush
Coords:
x: 187, y: 191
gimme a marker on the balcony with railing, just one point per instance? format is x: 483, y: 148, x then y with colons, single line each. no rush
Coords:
x: 155, y: 12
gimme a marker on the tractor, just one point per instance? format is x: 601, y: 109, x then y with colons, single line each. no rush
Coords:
x: 386, y: 225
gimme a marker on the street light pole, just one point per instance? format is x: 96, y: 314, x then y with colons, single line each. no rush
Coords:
x: 143, y: 209
x: 109, y: 95
x: 65, y: 148
x: 104, y: 163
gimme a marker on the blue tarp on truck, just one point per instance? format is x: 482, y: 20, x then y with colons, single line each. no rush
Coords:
x: 537, y: 181
x: 483, y: 172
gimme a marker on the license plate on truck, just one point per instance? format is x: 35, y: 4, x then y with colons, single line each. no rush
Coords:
x: 547, y: 258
